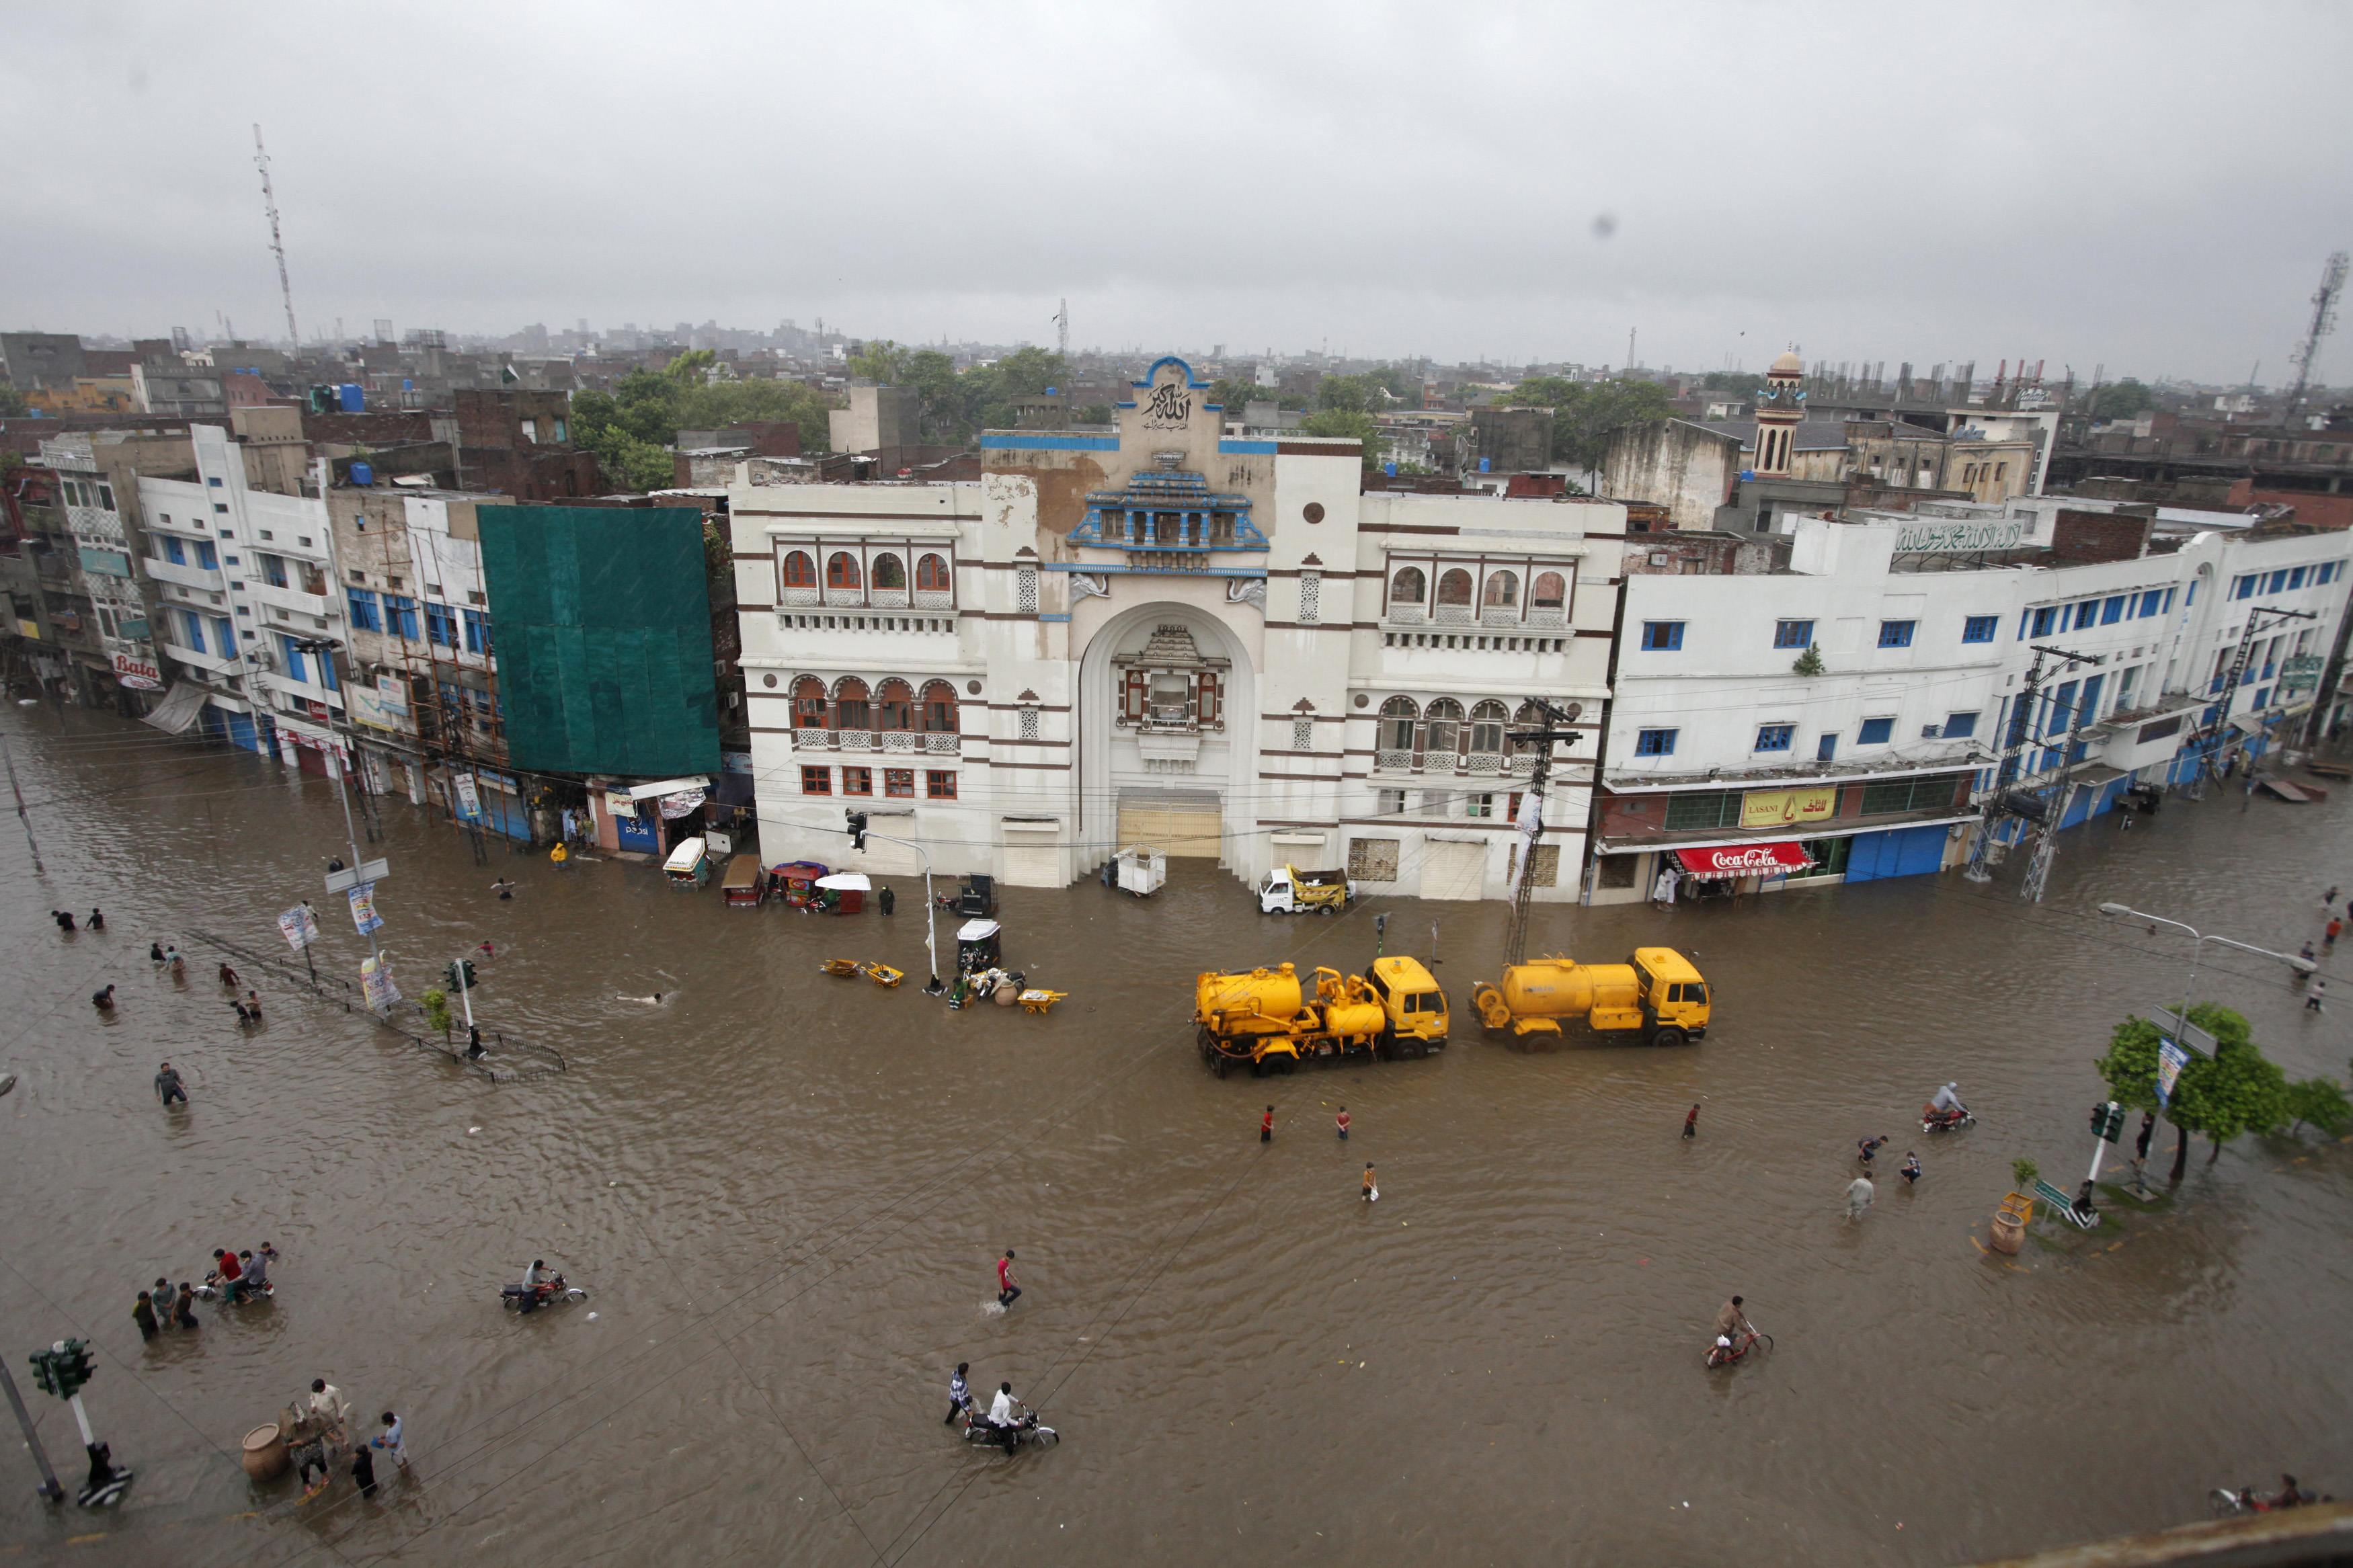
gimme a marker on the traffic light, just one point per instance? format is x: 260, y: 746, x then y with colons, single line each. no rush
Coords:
x: 2100, y: 1120
x: 63, y: 1368
x: 2108, y: 1120
x: 460, y: 973
x: 856, y: 820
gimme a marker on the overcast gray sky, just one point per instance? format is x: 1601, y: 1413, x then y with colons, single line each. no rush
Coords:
x: 2152, y: 188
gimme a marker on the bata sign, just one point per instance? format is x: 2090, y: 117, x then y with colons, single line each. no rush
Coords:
x: 137, y: 674
x: 1744, y: 860
x: 1958, y: 537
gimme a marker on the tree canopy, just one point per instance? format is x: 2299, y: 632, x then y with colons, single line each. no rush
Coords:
x: 629, y: 426
x: 1732, y: 381
x: 2127, y: 399
x: 2237, y: 1089
x: 1586, y: 414
x: 1351, y: 424
x: 957, y: 405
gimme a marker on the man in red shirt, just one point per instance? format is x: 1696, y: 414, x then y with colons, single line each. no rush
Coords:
x: 1266, y: 1126
x: 1007, y: 1291
x: 231, y: 1271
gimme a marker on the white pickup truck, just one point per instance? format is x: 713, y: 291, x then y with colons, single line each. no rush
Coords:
x: 1287, y: 891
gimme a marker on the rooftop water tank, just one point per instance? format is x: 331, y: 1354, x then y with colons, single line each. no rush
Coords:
x: 362, y: 474
x: 353, y: 398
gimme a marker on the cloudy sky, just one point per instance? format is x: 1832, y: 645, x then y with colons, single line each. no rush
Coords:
x: 2152, y: 188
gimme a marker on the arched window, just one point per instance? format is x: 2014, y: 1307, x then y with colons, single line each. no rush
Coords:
x: 1528, y: 716
x: 939, y: 707
x: 1443, y: 725
x: 800, y: 571
x: 889, y: 571
x: 1487, y: 729
x: 894, y: 699
x: 1549, y: 593
x: 932, y: 573
x: 842, y: 570
x: 1454, y: 587
x: 1410, y: 587
x: 852, y: 708
x: 1503, y: 591
x: 1398, y: 715
x: 808, y: 703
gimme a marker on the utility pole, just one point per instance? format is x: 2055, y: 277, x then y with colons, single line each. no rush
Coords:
x: 2017, y: 734
x: 2323, y: 322
x: 14, y: 789
x: 2256, y: 624
x: 1062, y: 332
x: 1531, y: 817
x: 277, y: 246
x: 48, y: 1488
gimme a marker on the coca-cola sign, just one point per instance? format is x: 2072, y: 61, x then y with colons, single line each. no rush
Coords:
x: 1744, y: 860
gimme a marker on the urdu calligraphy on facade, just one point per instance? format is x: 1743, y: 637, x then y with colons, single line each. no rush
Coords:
x: 1169, y: 406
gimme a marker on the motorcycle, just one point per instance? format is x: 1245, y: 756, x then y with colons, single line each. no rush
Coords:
x: 2246, y: 1500
x: 236, y: 1293
x: 1935, y: 1120
x: 976, y: 1429
x: 546, y: 1293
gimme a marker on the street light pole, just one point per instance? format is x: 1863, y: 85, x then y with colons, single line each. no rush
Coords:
x: 323, y: 648
x: 931, y: 910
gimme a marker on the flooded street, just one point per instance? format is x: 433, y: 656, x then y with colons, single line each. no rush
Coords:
x: 786, y: 1194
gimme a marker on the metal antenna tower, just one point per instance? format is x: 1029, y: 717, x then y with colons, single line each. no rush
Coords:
x: 2323, y: 322
x: 277, y: 246
x: 1062, y: 331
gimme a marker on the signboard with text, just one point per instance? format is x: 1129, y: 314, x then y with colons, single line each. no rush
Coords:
x: 1788, y: 808
x: 299, y: 929
x: 1958, y: 537
x: 363, y: 915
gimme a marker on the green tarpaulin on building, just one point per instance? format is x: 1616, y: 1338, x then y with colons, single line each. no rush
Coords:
x: 602, y: 621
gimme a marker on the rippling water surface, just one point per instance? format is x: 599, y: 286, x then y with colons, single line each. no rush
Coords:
x: 786, y: 1192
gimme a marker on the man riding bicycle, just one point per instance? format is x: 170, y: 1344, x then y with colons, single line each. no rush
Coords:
x: 1731, y: 1323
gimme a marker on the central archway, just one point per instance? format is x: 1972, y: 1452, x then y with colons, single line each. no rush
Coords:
x: 1148, y: 752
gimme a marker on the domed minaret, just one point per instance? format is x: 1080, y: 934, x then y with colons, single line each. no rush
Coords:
x: 1779, y: 407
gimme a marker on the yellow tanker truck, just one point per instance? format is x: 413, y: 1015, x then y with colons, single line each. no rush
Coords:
x: 1270, y: 1020
x: 1657, y: 996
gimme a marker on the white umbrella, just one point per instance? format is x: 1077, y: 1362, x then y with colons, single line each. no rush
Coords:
x: 847, y: 882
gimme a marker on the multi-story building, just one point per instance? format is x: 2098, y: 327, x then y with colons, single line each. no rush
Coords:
x: 1174, y: 634
x: 246, y: 605
x: 1843, y: 720
x: 114, y: 655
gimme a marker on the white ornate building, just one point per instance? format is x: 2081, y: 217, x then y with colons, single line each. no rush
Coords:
x: 1170, y: 633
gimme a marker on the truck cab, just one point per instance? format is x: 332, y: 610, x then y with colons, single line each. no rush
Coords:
x: 1673, y: 997
x: 1287, y: 891
x: 1414, y: 1008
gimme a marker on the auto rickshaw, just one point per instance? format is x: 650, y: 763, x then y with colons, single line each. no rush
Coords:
x: 746, y: 886
x: 799, y: 881
x: 980, y: 944
x: 689, y: 865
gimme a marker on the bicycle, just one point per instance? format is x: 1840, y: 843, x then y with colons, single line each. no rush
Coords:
x: 1724, y: 1355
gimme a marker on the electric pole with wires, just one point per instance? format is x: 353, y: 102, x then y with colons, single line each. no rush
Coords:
x: 1552, y: 731
x: 2008, y: 802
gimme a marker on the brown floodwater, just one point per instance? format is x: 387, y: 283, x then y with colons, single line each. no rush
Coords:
x: 785, y: 1193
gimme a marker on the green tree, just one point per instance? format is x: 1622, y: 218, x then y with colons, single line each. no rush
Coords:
x: 2127, y: 399
x: 1352, y: 394
x: 1732, y: 381
x: 1586, y: 414
x: 727, y: 403
x: 630, y: 463
x: 2320, y: 1101
x: 989, y: 389
x: 435, y: 1003
x: 1092, y: 414
x: 881, y: 363
x: 2235, y: 1090
x: 1353, y: 425
x: 12, y: 402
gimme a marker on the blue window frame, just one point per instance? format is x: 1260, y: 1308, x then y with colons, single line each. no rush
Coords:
x: 295, y: 668
x: 224, y: 636
x: 1826, y: 749
x: 2147, y: 605
x: 478, y: 631
x: 1960, y: 726
x: 174, y: 550
x: 2056, y: 719
x: 2296, y: 578
x: 195, y: 624
x: 2112, y: 610
x: 1662, y: 637
x: 2046, y: 620
x: 1793, y: 634
x: 1655, y: 743
x: 400, y: 616
x: 1775, y: 737
x: 2087, y: 612
x: 2092, y: 698
x: 2263, y: 697
x: 1979, y: 628
x: 205, y: 557
x: 1896, y: 634
x: 440, y: 624
x: 1874, y: 732
x: 2279, y: 582
x: 273, y: 570
x: 214, y: 483
x: 364, y: 616
x: 2244, y: 587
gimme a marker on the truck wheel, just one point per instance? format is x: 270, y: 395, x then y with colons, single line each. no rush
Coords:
x: 1219, y: 1065
x: 1667, y: 1035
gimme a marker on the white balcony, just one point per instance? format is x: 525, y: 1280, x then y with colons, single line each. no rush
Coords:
x: 196, y: 658
x: 208, y: 578
x: 289, y: 598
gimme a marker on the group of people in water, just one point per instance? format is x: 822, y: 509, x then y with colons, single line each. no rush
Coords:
x: 235, y: 1277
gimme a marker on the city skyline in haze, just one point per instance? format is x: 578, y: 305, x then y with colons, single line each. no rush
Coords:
x: 2082, y: 187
